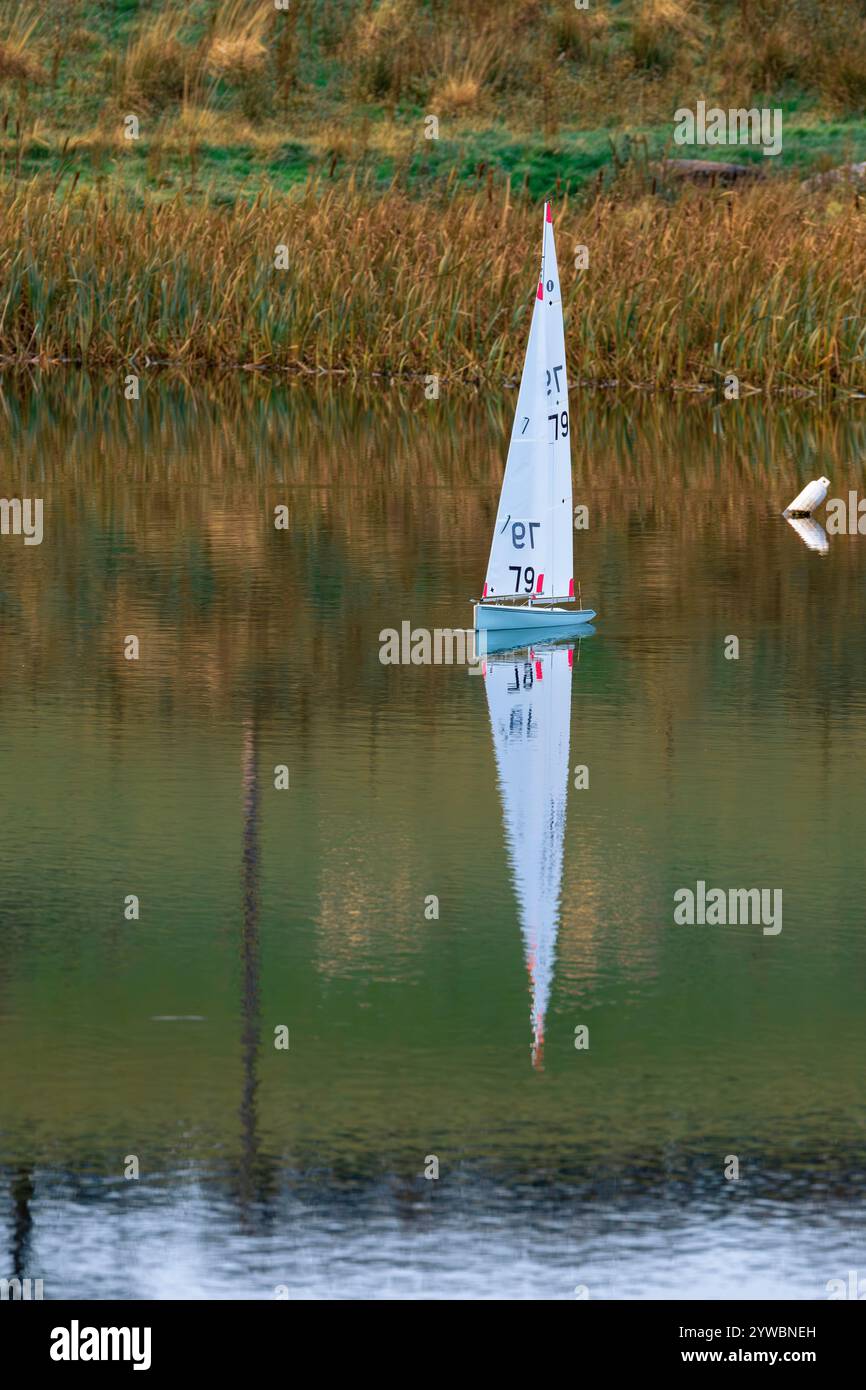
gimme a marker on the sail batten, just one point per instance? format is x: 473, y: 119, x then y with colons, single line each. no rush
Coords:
x: 532, y: 537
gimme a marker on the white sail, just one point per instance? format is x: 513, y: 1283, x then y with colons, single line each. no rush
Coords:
x: 529, y: 699
x: 532, y: 552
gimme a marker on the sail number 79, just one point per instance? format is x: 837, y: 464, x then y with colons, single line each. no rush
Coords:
x: 518, y: 534
x: 560, y: 423
x: 528, y: 578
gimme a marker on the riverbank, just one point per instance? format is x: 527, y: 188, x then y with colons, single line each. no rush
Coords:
x: 355, y: 188
x: 764, y: 282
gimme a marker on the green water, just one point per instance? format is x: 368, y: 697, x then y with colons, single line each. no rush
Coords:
x: 304, y: 908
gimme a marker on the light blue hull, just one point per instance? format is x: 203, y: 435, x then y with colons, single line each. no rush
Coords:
x: 498, y: 617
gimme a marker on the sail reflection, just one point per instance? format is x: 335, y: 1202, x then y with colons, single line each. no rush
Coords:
x: 529, y: 699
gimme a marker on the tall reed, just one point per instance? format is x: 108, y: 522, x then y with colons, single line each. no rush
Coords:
x: 767, y: 283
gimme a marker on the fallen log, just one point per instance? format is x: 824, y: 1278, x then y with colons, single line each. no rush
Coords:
x: 708, y: 171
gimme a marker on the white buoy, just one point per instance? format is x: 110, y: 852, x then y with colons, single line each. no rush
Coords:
x: 812, y: 496
x: 811, y: 532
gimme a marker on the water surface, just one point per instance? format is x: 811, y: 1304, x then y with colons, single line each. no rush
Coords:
x: 414, y: 1037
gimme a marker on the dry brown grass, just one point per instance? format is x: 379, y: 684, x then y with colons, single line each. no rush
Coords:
x: 237, y: 48
x: 156, y: 67
x: 456, y: 94
x: 768, y: 283
x: 469, y: 63
x: 578, y: 33
x: 19, y: 66
x: 236, y: 57
x: 532, y: 64
x: 384, y: 49
x: 664, y: 30
x: 242, y: 19
x: 20, y: 27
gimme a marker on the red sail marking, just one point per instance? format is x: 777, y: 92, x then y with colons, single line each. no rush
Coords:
x: 571, y: 588
x: 571, y: 656
x: 549, y: 212
x: 540, y: 585
x: 484, y: 595
x: 540, y: 294
x: 538, y: 675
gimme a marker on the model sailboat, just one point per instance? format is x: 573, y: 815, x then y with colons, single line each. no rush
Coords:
x: 530, y: 570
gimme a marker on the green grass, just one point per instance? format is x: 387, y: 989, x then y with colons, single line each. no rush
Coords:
x: 571, y: 163
x: 549, y: 108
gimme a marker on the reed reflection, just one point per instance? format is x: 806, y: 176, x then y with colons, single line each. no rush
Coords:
x: 22, y: 1190
x: 251, y: 1183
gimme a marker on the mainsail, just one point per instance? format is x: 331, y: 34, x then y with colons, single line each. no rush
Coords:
x: 529, y: 699
x: 532, y: 555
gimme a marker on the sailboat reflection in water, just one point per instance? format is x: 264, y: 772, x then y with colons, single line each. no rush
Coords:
x: 529, y: 699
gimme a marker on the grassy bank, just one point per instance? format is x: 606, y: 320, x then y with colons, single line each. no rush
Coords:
x: 537, y: 65
x: 767, y: 283
x: 256, y: 127
x: 226, y: 93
